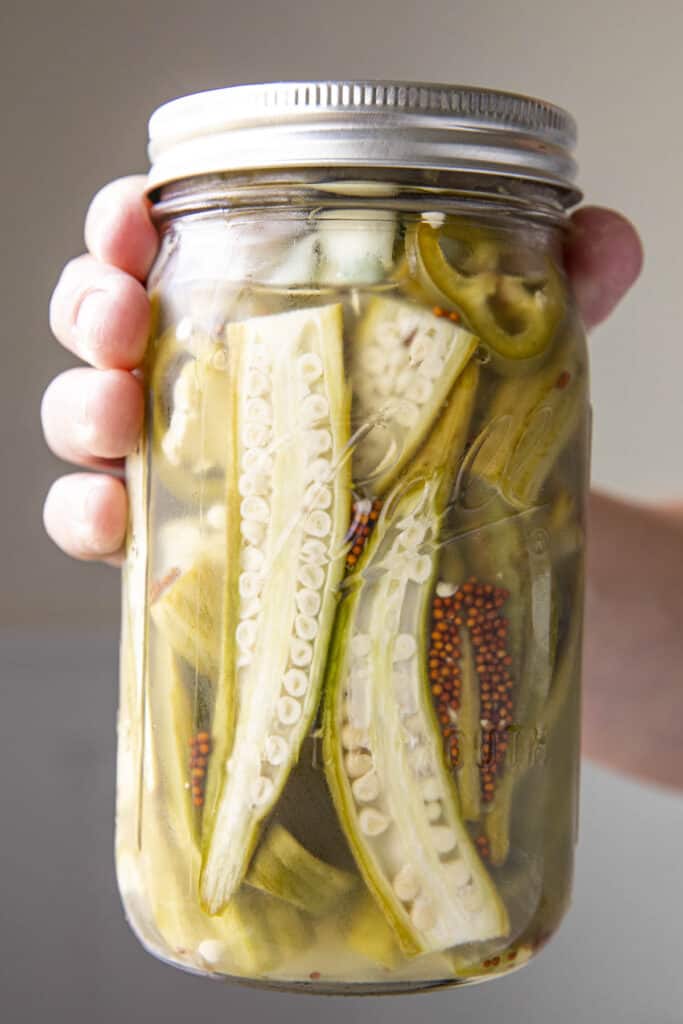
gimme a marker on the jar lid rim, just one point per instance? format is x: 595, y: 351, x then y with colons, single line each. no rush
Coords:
x: 420, y: 125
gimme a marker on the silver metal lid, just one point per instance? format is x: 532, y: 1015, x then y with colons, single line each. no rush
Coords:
x: 362, y: 124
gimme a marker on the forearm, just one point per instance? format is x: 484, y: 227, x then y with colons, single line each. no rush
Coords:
x: 633, y: 695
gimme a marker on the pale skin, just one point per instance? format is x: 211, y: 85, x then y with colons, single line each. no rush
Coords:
x: 633, y: 697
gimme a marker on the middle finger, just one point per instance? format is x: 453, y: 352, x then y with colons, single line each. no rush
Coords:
x: 92, y: 415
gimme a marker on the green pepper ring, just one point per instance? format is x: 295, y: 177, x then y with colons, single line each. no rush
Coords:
x: 471, y: 295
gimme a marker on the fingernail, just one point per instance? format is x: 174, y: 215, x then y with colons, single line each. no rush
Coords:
x: 93, y: 312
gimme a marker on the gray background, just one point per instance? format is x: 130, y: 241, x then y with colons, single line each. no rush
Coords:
x: 79, y: 79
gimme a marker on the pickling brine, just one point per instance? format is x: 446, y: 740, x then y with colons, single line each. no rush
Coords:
x: 348, y: 731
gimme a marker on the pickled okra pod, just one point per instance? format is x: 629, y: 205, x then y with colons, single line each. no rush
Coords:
x: 190, y: 443
x: 284, y: 868
x: 530, y: 420
x: 187, y: 611
x: 394, y: 794
x: 516, y: 314
x: 403, y: 363
x: 287, y: 505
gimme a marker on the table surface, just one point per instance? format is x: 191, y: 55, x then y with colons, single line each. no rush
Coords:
x: 67, y: 954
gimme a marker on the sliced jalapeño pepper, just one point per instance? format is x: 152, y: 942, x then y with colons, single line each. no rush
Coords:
x: 515, y: 314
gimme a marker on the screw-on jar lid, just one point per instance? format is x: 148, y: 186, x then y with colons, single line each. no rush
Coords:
x: 363, y: 124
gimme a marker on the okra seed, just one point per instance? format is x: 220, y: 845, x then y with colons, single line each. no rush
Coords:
x: 256, y: 384
x: 431, y: 790
x: 301, y: 652
x: 308, y: 601
x: 433, y: 811
x: 314, y: 408
x: 353, y: 738
x: 255, y: 435
x: 404, y: 381
x: 318, y: 524
x: 318, y: 497
x: 261, y: 790
x: 422, y: 763
x: 360, y: 645
x: 460, y: 872
x: 254, y: 460
x: 250, y: 608
x: 256, y: 509
x: 387, y: 335
x: 384, y: 385
x: 373, y: 359
x: 413, y: 725
x: 406, y: 884
x: 259, y: 358
x: 421, y: 569
x: 421, y: 390
x: 422, y: 915
x: 471, y: 897
x: 406, y: 413
x: 318, y: 442
x: 245, y: 635
x: 253, y: 484
x: 306, y: 627
x: 295, y: 682
x: 253, y: 559
x: 320, y: 470
x: 431, y: 367
x: 412, y: 535
x: 288, y: 710
x: 404, y: 647
x: 358, y: 764
x: 310, y: 367
x: 250, y: 584
x: 419, y: 348
x: 312, y: 577
x: 444, y: 839
x: 253, y: 532
x: 366, y: 788
x: 372, y: 822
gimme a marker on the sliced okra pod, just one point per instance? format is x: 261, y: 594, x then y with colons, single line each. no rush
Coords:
x: 395, y: 796
x: 284, y: 868
x: 531, y: 419
x: 190, y: 440
x: 187, y: 612
x: 403, y: 364
x: 367, y: 933
x: 287, y: 509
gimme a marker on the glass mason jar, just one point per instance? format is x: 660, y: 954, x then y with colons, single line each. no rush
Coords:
x: 352, y: 604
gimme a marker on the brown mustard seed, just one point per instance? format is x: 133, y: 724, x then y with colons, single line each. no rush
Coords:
x: 487, y: 629
x: 200, y: 750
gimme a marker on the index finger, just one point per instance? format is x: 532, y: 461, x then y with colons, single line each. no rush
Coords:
x: 119, y: 229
